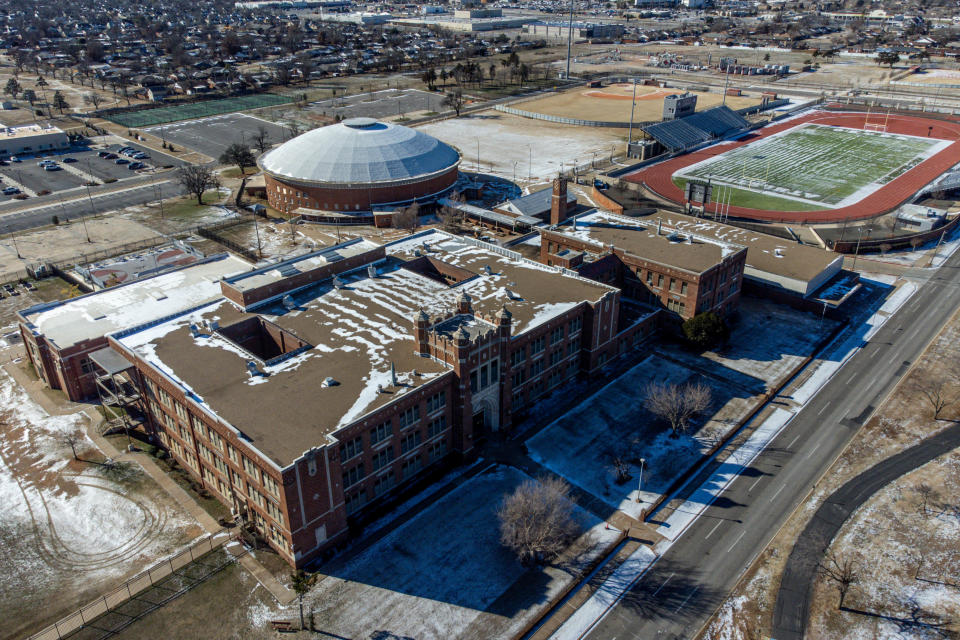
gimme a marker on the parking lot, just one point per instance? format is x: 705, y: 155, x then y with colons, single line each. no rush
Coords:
x: 379, y: 104
x: 37, y: 179
x: 211, y: 136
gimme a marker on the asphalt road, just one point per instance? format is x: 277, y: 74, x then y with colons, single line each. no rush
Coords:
x: 683, y: 589
x: 793, y: 599
x: 98, y: 203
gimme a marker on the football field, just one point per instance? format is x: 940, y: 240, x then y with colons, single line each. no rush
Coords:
x: 813, y: 166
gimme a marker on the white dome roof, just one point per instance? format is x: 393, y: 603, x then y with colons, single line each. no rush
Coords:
x: 359, y: 151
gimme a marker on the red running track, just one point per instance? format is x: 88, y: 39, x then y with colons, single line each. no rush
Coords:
x: 658, y: 177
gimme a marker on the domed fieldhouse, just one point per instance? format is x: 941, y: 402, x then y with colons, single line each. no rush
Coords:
x: 356, y: 167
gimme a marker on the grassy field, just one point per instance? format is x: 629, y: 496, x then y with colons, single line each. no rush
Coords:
x: 159, y: 115
x: 817, y: 165
x: 757, y: 199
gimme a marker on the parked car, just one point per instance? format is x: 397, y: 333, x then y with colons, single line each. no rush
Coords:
x: 140, y: 156
x: 133, y: 166
x: 69, y: 160
x: 53, y: 166
x: 11, y: 191
x: 121, y: 161
x: 103, y: 154
x: 14, y: 159
x: 110, y: 156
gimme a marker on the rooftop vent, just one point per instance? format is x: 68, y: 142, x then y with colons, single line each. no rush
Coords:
x: 779, y: 252
x: 194, y: 330
x: 253, y: 369
x: 214, y: 325
x: 487, y: 270
x: 337, y: 282
x: 372, y: 271
x: 330, y: 382
x: 289, y: 303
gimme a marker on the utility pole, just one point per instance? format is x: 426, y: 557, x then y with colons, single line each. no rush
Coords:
x: 569, y: 41
x: 633, y: 103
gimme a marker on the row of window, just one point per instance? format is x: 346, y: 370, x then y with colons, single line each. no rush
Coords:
x: 488, y: 374
x: 384, y: 457
x: 354, y: 500
x: 384, y: 430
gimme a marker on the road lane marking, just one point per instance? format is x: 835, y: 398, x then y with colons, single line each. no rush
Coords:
x: 686, y: 599
x: 810, y: 453
x: 824, y: 408
x: 797, y: 437
x: 754, y: 484
x: 730, y: 548
x: 778, y: 492
x: 719, y: 522
x: 664, y: 583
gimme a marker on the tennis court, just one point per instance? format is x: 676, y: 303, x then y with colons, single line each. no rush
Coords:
x: 202, y: 109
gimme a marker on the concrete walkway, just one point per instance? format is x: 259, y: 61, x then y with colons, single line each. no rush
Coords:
x: 792, y: 609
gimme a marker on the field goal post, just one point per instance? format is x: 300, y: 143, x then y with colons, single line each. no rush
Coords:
x: 880, y: 125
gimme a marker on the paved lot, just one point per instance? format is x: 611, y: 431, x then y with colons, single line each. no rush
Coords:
x: 211, y: 136
x: 28, y: 174
x: 379, y: 104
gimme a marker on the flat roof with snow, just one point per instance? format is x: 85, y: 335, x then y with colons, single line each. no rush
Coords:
x: 670, y: 246
x: 353, y: 333
x: 69, y: 322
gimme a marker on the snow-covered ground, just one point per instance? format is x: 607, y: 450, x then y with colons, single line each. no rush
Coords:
x: 529, y: 150
x: 581, y: 445
x: 67, y: 532
x: 443, y: 573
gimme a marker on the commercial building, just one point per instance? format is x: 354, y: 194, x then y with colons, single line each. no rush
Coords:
x: 310, y: 391
x: 30, y: 139
x: 347, y: 170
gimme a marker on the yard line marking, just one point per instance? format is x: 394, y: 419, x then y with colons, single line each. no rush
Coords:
x: 754, y: 484
x: 824, y: 408
x: 664, y: 583
x: 778, y: 492
x: 730, y: 548
x: 797, y: 437
x: 719, y: 522
x: 687, y: 598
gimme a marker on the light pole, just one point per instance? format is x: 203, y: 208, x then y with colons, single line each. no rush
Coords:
x: 530, y: 163
x: 569, y: 41
x: 633, y: 103
x: 640, y: 483
x: 15, y: 247
x: 478, y: 156
x: 857, y: 251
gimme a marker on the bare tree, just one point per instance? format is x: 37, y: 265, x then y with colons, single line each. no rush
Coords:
x: 72, y: 440
x: 926, y: 494
x: 240, y: 155
x: 454, y: 100
x: 937, y: 397
x: 841, y: 571
x: 197, y: 179
x: 620, y: 469
x: 536, y: 520
x: 93, y: 99
x: 677, y: 404
x: 407, y: 217
x: 261, y: 139
x: 451, y: 218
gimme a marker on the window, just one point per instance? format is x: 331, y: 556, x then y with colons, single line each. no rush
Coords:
x: 494, y: 370
x: 410, y: 442
x: 556, y: 377
x: 382, y: 458
x: 182, y: 413
x: 274, y: 512
x: 537, y: 345
x: 381, y: 432
x: 519, y: 377
x: 575, y: 325
x: 573, y: 346
x: 556, y: 335
x: 252, y: 469
x: 517, y: 357
x: 659, y: 280
x: 384, y: 484
x: 164, y: 398
x: 87, y: 366
x: 177, y: 449
x: 353, y: 475
x: 206, y: 454
x: 271, y: 485
x: 673, y: 284
x: 436, y: 402
x: 237, y: 481
x: 483, y: 377
x: 436, y: 427
x: 683, y: 288
x: 411, y: 466
x: 556, y: 356
x: 351, y: 449
x: 473, y: 381
x: 257, y: 497
x: 676, y: 307
x: 191, y: 460
x: 232, y: 453
x: 518, y: 400
x: 649, y: 277
x: 215, y: 439
x: 354, y: 502
x: 210, y: 477
x: 733, y: 287
x: 536, y: 368
x: 438, y: 450
x: 410, y: 417
x: 185, y: 434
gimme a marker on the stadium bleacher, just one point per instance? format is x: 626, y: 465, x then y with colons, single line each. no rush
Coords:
x: 697, y: 128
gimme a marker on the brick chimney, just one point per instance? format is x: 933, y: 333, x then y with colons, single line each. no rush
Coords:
x: 558, y: 204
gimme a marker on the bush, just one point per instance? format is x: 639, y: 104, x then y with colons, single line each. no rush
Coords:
x: 43, y: 192
x: 109, y: 181
x: 55, y: 220
x: 705, y: 330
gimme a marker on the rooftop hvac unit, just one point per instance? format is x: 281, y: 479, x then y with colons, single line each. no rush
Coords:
x: 289, y: 303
